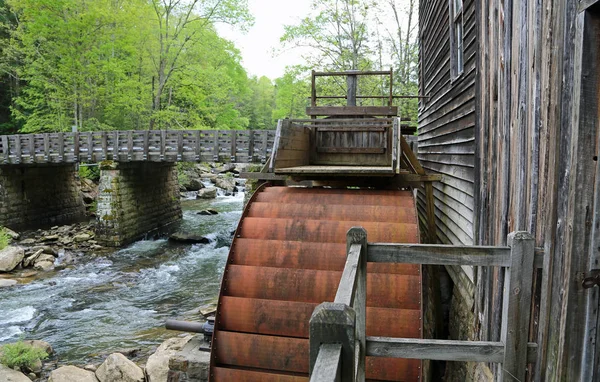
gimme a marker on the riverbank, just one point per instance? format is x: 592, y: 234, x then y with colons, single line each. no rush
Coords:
x: 118, y: 300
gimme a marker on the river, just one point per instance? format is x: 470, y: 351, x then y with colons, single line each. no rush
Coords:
x: 122, y: 299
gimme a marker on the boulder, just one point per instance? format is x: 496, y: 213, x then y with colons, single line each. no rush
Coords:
x: 45, y: 346
x: 88, y: 198
x: 13, y: 235
x: 44, y: 262
x: 7, y: 283
x: 81, y: 237
x: 45, y: 249
x: 157, y: 367
x: 50, y: 238
x: 117, y: 368
x: 10, y: 257
x: 10, y: 375
x: 193, y: 185
x: 190, y: 238
x: 211, y: 177
x: 228, y: 167
x: 191, y: 363
x: 72, y: 374
x: 28, y: 242
x: 208, y: 212
x: 207, y: 193
x: 226, y: 183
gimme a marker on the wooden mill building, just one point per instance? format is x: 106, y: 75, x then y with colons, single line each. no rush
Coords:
x: 512, y: 124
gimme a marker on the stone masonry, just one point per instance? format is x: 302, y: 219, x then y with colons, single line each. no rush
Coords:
x: 134, y: 199
x: 33, y: 197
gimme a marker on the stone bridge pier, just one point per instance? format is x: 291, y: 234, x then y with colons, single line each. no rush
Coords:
x: 135, y: 198
x: 33, y: 196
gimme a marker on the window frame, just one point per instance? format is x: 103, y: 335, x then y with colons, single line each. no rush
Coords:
x: 457, y: 47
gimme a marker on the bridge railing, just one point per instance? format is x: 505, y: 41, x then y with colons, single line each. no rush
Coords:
x: 243, y: 146
x: 338, y: 342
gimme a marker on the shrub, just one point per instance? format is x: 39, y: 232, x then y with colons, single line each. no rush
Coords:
x: 21, y: 355
x: 4, y: 239
x: 87, y: 172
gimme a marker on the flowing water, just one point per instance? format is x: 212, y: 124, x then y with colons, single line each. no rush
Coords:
x: 122, y: 299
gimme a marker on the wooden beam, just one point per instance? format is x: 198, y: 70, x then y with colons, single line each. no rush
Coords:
x: 356, y: 240
x: 445, y: 254
x: 442, y: 350
x: 431, y: 227
x: 352, y: 110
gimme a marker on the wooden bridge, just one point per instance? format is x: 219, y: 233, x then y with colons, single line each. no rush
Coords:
x: 240, y: 146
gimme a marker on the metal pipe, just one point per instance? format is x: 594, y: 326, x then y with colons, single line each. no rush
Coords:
x: 185, y: 326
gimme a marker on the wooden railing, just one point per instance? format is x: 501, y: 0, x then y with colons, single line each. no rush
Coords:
x: 338, y: 342
x: 242, y: 146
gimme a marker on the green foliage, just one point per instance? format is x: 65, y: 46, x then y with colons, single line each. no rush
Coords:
x: 4, y: 238
x: 89, y: 172
x: 21, y: 355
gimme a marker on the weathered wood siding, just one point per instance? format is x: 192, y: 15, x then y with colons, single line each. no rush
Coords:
x: 537, y: 116
x: 447, y: 120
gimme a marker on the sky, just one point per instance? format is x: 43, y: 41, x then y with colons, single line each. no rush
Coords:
x: 258, y: 43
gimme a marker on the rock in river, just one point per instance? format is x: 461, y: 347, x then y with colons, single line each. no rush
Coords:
x: 208, y: 212
x: 157, y: 367
x: 10, y: 257
x: 6, y: 283
x: 10, y: 375
x: 207, y: 193
x: 72, y: 374
x: 192, y: 238
x: 117, y: 368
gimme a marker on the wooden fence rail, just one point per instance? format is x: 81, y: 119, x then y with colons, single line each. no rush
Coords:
x: 338, y: 344
x: 241, y: 146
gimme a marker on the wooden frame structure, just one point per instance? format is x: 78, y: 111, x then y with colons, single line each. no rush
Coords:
x: 338, y: 344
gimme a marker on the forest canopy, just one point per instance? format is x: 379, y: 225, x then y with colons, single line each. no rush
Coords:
x: 161, y: 64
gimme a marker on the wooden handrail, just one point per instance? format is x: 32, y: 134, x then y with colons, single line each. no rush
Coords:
x: 243, y: 146
x: 513, y: 351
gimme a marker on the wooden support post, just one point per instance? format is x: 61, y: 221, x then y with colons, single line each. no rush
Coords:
x: 179, y: 145
x: 517, y: 306
x: 329, y: 363
x: 216, y: 146
x: 115, y: 146
x: 61, y: 147
x: 163, y: 145
x: 233, y: 146
x: 32, y: 148
x: 129, y: 145
x: 251, y: 146
x: 17, y: 149
x: 333, y: 323
x: 358, y: 235
x: 431, y: 227
x: 5, y: 149
x: 146, y: 148
x: 352, y: 82
x: 104, y: 140
x: 198, y: 150
x: 90, y: 146
x: 76, y: 147
x: 265, y: 147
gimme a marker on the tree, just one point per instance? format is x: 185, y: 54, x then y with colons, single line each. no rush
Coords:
x: 177, y: 32
x: 336, y: 33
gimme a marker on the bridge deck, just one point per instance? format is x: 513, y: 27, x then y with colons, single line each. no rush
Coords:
x: 337, y: 170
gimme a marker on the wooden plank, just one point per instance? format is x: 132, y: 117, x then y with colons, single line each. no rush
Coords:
x: 328, y: 366
x: 517, y: 304
x: 146, y: 145
x: 351, y: 150
x: 198, y: 143
x: 442, y: 350
x: 333, y: 323
x: 347, y: 286
x: 163, y: 145
x: 179, y: 145
x: 352, y: 128
x: 337, y: 170
x: 216, y: 145
x: 31, y: 148
x: 438, y: 254
x: 352, y: 110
